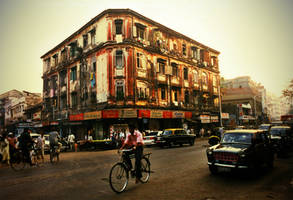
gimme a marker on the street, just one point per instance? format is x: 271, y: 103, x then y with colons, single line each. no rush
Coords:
x: 178, y: 173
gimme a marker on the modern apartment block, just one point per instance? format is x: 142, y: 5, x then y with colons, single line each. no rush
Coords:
x: 122, y: 67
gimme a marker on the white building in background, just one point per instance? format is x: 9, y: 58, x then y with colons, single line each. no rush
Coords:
x: 277, y: 106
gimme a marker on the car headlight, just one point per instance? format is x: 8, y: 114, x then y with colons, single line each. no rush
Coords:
x: 209, y: 152
x: 242, y: 155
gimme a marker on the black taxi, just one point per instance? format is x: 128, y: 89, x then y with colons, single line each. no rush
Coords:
x: 240, y: 149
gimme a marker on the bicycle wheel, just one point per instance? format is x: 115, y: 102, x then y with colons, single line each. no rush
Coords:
x: 17, y: 161
x: 53, y: 157
x: 118, y: 178
x: 145, y: 170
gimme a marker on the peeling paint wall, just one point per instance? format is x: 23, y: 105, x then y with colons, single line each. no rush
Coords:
x: 144, y: 74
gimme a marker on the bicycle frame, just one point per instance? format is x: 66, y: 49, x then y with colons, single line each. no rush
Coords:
x: 119, y: 173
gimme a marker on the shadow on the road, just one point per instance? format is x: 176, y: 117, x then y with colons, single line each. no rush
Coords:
x: 171, y: 147
x: 242, y: 175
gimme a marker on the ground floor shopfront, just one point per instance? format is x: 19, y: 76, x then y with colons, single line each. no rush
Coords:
x: 103, y: 124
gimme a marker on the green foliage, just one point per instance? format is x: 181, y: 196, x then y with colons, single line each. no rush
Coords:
x: 288, y: 92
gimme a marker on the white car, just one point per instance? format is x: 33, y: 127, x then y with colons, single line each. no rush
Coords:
x: 149, y: 138
x: 35, y: 136
x: 47, y: 143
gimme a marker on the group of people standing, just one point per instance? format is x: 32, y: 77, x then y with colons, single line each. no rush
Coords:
x: 9, y: 145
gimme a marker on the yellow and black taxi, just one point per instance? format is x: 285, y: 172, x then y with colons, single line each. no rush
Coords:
x: 175, y: 136
x: 240, y: 149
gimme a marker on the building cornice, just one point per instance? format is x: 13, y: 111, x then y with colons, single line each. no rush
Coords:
x: 131, y: 12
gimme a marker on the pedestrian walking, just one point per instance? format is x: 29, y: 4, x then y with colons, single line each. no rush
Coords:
x: 71, y: 140
x: 4, y: 149
x: 201, y: 132
x: 40, y: 146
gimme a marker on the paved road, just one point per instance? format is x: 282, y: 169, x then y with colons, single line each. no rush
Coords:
x: 178, y: 173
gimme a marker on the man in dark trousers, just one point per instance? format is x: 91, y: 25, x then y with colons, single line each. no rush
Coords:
x: 25, y: 143
x: 134, y: 141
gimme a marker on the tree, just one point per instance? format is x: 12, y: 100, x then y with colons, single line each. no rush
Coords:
x: 288, y: 92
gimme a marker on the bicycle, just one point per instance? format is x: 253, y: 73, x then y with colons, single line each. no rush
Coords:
x: 119, y: 174
x: 35, y: 154
x: 54, y: 154
x: 17, y: 160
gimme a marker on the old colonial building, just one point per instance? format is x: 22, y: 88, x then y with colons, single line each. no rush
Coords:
x: 14, y: 105
x: 244, y: 100
x: 121, y: 67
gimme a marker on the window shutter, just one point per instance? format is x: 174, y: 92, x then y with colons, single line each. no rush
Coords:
x: 114, y: 58
x: 123, y: 28
x: 143, y: 61
x: 134, y: 32
x: 113, y: 29
x: 123, y: 59
x: 158, y: 67
x: 146, y: 34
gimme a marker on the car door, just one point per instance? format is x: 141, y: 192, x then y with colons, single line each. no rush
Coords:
x: 259, y: 148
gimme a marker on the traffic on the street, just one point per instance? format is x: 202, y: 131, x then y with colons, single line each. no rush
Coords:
x: 182, y: 171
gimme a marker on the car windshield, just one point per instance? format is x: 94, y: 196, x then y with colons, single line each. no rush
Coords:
x: 278, y: 131
x: 167, y: 133
x: 264, y: 127
x: 245, y: 138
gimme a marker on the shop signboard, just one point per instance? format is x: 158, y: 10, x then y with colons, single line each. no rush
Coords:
x: 110, y: 113
x: 214, y: 118
x: 188, y: 114
x: 178, y: 114
x: 156, y: 114
x: 205, y: 119
x: 225, y: 115
x: 144, y: 113
x: 167, y: 114
x: 128, y: 113
x: 92, y: 115
x: 77, y: 117
x: 37, y: 115
x: 54, y: 123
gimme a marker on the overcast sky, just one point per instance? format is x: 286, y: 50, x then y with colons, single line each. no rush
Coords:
x: 253, y: 36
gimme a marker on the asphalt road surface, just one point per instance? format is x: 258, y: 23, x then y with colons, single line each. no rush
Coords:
x: 177, y: 173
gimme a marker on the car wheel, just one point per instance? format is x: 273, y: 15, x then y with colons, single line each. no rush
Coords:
x: 191, y: 142
x: 213, y: 169
x: 270, y: 162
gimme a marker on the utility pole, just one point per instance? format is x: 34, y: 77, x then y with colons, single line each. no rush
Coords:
x: 220, y: 104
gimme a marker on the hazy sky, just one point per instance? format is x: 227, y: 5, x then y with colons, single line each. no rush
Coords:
x: 253, y: 36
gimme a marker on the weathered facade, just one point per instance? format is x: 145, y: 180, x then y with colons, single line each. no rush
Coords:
x: 121, y: 67
x: 14, y: 105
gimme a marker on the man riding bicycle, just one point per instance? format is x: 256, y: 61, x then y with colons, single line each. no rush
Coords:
x: 54, y: 140
x: 134, y: 141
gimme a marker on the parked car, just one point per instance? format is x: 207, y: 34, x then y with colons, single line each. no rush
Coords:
x: 265, y: 127
x: 35, y: 136
x: 282, y: 139
x: 240, y: 149
x: 150, y: 136
x: 47, y: 144
x: 174, y: 136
